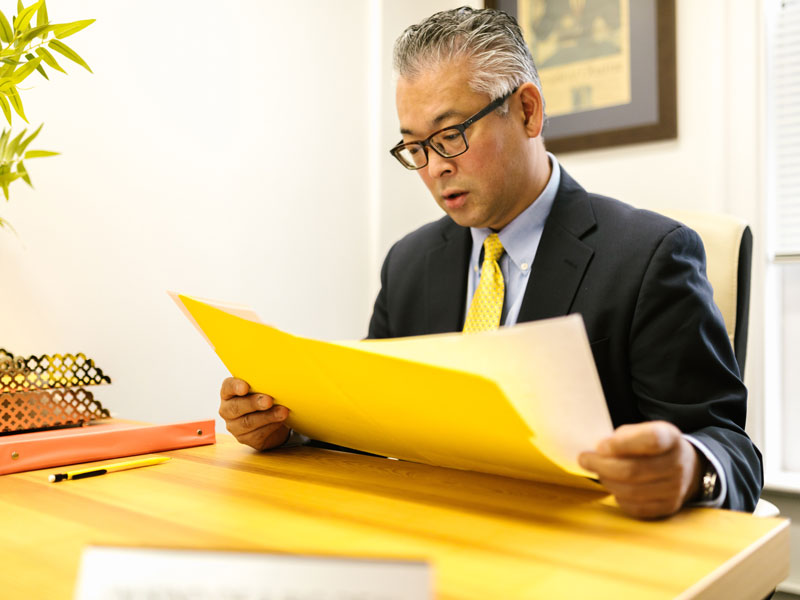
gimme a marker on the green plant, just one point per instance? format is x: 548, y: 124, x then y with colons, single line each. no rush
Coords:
x: 26, y: 47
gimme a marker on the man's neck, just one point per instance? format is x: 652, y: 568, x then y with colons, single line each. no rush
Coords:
x: 540, y: 173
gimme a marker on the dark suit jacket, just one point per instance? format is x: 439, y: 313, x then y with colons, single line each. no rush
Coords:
x: 638, y: 279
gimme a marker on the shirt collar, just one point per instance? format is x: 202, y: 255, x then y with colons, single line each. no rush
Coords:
x: 515, y: 237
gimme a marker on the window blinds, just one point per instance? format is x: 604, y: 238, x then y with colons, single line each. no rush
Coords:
x: 784, y: 93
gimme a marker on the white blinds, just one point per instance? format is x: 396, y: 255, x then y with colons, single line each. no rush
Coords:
x: 784, y: 96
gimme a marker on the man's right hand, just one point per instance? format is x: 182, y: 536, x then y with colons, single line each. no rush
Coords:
x: 253, y: 419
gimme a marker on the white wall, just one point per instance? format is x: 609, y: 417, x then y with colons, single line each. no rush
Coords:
x: 217, y: 151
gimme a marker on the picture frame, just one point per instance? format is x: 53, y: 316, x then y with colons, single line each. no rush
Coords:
x: 649, y: 111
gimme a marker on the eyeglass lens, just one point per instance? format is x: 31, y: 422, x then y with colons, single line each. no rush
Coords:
x: 448, y: 143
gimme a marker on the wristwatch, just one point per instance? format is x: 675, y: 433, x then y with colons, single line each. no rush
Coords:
x: 708, y: 486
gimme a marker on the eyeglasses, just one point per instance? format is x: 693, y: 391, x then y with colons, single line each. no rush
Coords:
x: 447, y: 143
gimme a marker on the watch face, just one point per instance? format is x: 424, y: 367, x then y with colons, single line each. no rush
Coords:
x: 709, y: 484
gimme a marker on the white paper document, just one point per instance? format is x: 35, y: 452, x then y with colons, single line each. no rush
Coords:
x: 110, y: 573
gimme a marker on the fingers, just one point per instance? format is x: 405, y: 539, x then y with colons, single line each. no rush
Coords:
x: 236, y: 399
x: 252, y: 421
x: 644, y: 487
x: 654, y: 499
x: 264, y: 438
x: 632, y: 470
x: 649, y: 467
x: 238, y: 406
x: 657, y: 509
x: 261, y: 429
x: 253, y: 418
x: 232, y: 386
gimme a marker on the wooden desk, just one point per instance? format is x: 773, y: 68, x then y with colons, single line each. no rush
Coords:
x: 486, y: 536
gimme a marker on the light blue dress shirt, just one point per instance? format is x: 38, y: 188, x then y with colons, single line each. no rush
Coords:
x: 520, y: 240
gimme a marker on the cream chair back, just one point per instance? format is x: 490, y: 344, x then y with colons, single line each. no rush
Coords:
x: 728, y: 244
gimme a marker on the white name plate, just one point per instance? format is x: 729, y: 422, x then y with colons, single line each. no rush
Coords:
x: 110, y: 573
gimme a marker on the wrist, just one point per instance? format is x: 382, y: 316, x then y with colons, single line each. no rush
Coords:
x: 695, y: 490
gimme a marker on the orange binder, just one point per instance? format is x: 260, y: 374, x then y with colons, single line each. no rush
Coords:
x: 109, y: 439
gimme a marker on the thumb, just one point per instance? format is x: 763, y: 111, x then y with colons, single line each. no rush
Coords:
x: 641, y: 439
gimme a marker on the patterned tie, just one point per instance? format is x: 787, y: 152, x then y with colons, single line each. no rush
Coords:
x: 487, y: 303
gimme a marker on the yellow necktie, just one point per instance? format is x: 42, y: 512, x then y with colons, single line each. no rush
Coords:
x: 487, y: 303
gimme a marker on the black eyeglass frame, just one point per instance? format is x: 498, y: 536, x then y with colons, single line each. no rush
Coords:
x: 461, y: 128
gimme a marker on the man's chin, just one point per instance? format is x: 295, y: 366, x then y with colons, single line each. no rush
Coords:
x: 466, y: 219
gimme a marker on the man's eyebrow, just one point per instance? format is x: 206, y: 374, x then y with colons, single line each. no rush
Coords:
x: 447, y: 115
x: 437, y: 121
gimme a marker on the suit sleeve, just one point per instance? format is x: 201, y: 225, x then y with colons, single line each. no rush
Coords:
x: 683, y: 368
x: 379, y: 322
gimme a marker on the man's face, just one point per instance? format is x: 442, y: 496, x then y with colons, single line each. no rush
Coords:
x: 487, y: 186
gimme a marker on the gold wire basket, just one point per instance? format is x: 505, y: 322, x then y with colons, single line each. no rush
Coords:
x: 47, y: 391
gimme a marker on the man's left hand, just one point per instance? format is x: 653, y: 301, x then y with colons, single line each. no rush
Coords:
x: 649, y: 467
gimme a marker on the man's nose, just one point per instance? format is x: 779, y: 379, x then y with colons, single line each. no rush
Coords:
x: 438, y: 165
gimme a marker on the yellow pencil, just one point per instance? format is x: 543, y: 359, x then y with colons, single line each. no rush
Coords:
x: 103, y: 469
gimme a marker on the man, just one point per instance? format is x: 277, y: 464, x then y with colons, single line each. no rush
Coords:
x: 523, y: 241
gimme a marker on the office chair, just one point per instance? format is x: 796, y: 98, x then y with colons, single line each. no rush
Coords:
x: 728, y: 243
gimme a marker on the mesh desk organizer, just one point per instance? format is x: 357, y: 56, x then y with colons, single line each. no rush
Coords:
x: 48, y: 391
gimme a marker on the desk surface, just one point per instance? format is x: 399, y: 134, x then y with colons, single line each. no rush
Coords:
x: 485, y: 536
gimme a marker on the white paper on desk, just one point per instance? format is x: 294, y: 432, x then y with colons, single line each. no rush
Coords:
x: 144, y: 573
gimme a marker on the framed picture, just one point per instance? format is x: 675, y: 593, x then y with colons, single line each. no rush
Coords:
x: 607, y: 69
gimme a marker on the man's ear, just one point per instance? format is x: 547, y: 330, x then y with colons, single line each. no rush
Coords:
x: 532, y: 108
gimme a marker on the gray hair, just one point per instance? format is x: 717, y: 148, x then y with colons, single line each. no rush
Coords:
x: 490, y: 39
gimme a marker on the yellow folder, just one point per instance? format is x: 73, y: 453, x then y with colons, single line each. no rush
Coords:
x: 522, y: 401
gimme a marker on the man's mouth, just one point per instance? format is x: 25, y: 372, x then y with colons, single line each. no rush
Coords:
x: 454, y: 199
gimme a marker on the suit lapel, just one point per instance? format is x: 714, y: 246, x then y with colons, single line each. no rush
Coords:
x: 447, y: 280
x: 562, y: 258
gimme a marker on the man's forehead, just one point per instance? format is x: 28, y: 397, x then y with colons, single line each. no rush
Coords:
x: 427, y: 101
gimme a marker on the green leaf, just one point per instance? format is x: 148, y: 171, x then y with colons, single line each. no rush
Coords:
x: 49, y: 59
x: 16, y: 102
x: 3, y: 146
x: 6, y: 33
x: 20, y: 7
x: 24, y: 17
x: 6, y: 108
x: 12, y: 51
x: 65, y: 50
x: 4, y: 223
x: 24, y: 173
x: 67, y: 29
x: 29, y: 139
x: 39, y: 67
x: 8, y: 177
x: 11, y: 147
x: 5, y: 85
x: 41, y: 16
x: 6, y: 70
x: 39, y: 154
x: 29, y: 35
x: 25, y: 70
